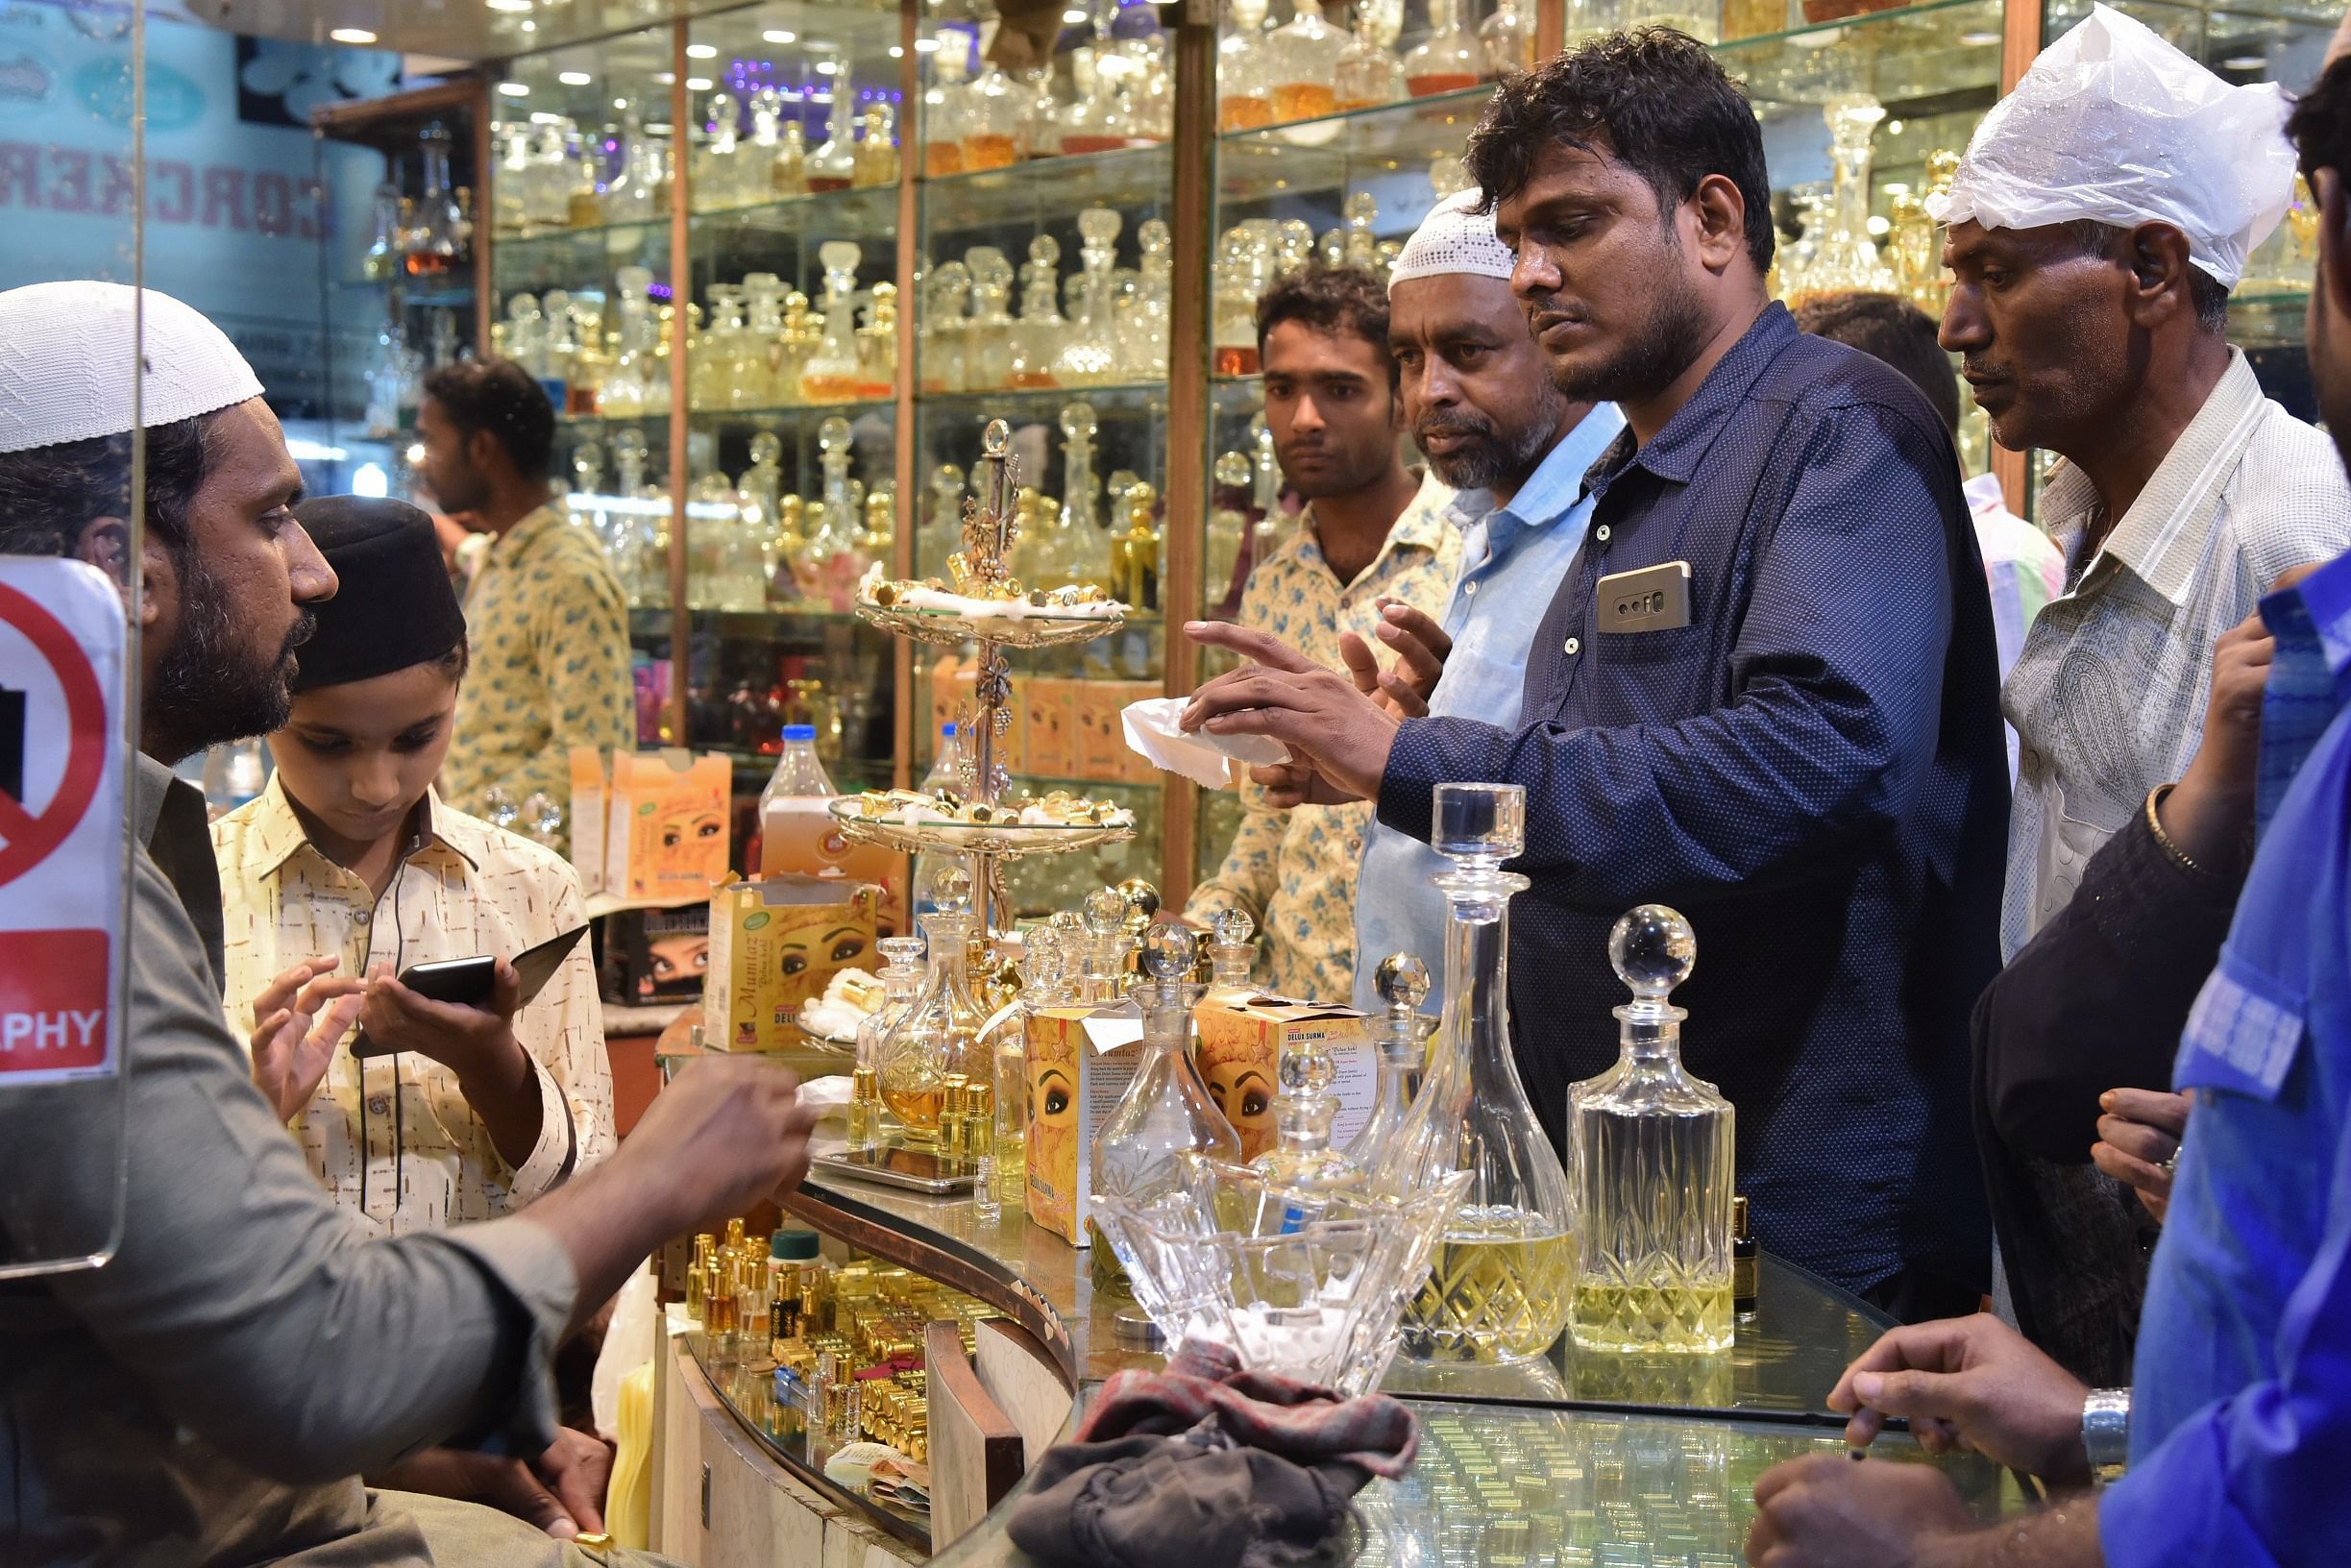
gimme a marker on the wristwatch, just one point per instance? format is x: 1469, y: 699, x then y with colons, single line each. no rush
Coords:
x: 2106, y: 1432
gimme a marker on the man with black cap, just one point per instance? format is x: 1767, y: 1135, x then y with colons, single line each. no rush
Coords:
x: 211, y: 1391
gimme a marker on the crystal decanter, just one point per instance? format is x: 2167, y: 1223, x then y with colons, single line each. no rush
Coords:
x: 1368, y: 73
x: 901, y: 977
x: 1302, y: 1155
x: 1090, y: 354
x: 1449, y: 60
x: 1101, y: 982
x: 1507, y: 38
x: 833, y: 165
x: 1501, y: 1281
x: 1848, y: 259
x: 1652, y: 1147
x: 1302, y: 57
x: 1402, y: 1036
x: 1166, y: 1111
x: 938, y: 1039
x: 1232, y: 953
x: 1039, y: 341
x: 1244, y: 95
x: 830, y: 374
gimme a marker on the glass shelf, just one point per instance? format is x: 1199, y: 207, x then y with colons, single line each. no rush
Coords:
x: 790, y: 413
x: 1315, y: 155
x: 631, y: 236
x: 585, y: 421
x: 1028, y: 194
x: 1134, y: 399
x: 871, y: 213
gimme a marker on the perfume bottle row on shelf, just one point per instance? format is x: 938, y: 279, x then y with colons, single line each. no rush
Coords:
x: 764, y: 348
x: 977, y: 117
x: 1254, y: 253
x: 1106, y: 325
x: 1836, y: 248
x: 755, y: 148
x: 1115, y: 543
x: 750, y: 547
x: 1306, y: 67
x: 552, y: 175
x: 428, y: 233
x: 595, y: 355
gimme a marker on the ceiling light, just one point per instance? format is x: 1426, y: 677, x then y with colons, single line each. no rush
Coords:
x: 2244, y: 63
x: 545, y: 116
x: 698, y: 83
x: 926, y: 47
x: 351, y: 35
x: 620, y: 103
x: 896, y: 53
x: 1075, y: 18
x: 701, y: 51
x: 665, y: 78
x: 826, y: 68
x: 507, y: 5
x: 573, y: 78
x: 781, y: 36
x: 514, y: 89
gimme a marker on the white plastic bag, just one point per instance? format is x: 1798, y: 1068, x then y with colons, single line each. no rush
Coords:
x: 2112, y: 124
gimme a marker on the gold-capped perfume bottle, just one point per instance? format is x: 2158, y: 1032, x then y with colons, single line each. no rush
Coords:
x: 1652, y: 1148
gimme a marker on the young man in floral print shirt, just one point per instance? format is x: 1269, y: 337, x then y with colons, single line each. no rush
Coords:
x: 546, y: 617
x: 1372, y: 531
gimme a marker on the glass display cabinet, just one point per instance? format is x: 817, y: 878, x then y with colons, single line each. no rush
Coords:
x: 403, y: 293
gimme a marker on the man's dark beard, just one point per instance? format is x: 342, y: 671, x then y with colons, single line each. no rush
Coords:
x: 1494, y: 461
x: 1661, y: 348
x: 203, y: 692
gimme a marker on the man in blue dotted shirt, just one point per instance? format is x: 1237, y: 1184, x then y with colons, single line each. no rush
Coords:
x: 1808, y: 761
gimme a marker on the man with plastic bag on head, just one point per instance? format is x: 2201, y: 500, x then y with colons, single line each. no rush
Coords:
x: 2102, y: 213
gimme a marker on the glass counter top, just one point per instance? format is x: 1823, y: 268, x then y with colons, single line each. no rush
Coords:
x: 1786, y: 1360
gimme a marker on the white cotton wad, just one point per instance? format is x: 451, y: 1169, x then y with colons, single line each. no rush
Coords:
x: 1207, y: 760
x: 2112, y: 124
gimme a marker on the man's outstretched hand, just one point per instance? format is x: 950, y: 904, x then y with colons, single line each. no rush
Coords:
x: 1330, y: 727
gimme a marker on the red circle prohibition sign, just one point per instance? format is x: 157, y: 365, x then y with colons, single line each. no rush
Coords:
x: 26, y: 839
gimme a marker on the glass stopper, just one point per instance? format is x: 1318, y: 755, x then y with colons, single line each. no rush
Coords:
x: 950, y: 891
x: 1403, y: 982
x: 1106, y: 911
x: 1170, y: 952
x: 766, y: 447
x: 1142, y: 897
x: 1079, y: 422
x: 905, y: 952
x: 1233, y: 928
x: 1483, y: 824
x: 1654, y: 950
x: 1066, y: 927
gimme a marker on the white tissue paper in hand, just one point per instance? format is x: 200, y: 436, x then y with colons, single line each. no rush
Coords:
x: 2114, y: 125
x: 1152, y: 729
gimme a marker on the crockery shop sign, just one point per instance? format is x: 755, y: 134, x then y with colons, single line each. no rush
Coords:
x: 61, y: 819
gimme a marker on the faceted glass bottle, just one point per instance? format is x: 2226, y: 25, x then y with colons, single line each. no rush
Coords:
x: 1403, y: 1039
x: 1166, y: 1111
x: 1448, y: 58
x: 1368, y: 73
x: 1302, y: 58
x: 1653, y: 1152
x: 938, y: 1036
x: 1502, y: 1282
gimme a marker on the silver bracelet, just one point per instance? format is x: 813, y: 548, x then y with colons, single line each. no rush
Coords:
x: 2106, y: 1432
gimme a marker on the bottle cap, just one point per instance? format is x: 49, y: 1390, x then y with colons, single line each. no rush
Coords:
x: 947, y: 730
x: 800, y: 732
x: 792, y: 1246
x: 1739, y: 1223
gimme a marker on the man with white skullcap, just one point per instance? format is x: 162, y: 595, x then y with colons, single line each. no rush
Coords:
x: 2102, y: 213
x: 213, y: 1391
x: 1486, y: 415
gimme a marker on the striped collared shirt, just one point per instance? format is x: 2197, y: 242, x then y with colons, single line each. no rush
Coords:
x: 2108, y: 695
x: 392, y: 1138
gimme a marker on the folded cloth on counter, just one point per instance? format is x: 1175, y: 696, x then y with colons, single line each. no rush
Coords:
x: 1207, y: 1463
x: 1152, y: 730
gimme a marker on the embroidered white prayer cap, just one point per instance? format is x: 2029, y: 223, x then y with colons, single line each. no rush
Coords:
x: 1454, y: 238
x: 66, y: 364
x: 2114, y: 125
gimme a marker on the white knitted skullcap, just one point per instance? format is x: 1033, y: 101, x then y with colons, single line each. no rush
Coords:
x: 1454, y: 237
x: 65, y: 364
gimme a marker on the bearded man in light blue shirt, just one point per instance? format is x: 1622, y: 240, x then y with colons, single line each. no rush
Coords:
x: 1489, y: 422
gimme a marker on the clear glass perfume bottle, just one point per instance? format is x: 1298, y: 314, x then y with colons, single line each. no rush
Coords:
x: 877, y: 344
x: 941, y: 120
x: 1448, y: 58
x: 1402, y: 1036
x: 940, y: 347
x: 938, y: 1037
x: 1090, y: 354
x: 1848, y: 259
x: 1166, y: 1111
x: 988, y: 338
x: 1105, y: 915
x: 718, y: 178
x: 436, y: 246
x: 1507, y: 38
x: 833, y: 165
x: 1232, y: 954
x: 830, y: 374
x: 1135, y: 557
x: 1501, y: 1285
x: 878, y: 147
x: 1302, y: 57
x: 1653, y: 1151
x: 1244, y: 96
x: 1368, y: 72
x: 992, y: 106
x: 1039, y: 341
x: 1042, y: 985
x: 1146, y: 330
x: 1302, y: 1155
